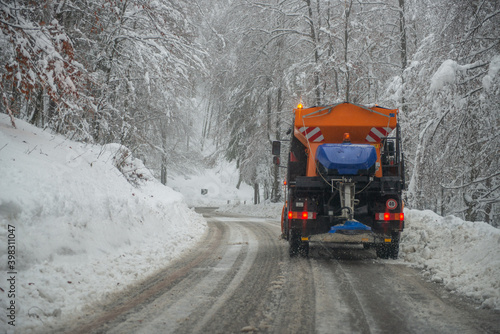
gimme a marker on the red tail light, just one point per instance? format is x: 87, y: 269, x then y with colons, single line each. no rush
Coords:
x: 389, y: 216
x: 301, y: 215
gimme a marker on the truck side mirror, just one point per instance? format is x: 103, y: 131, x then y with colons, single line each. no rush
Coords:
x: 276, y: 147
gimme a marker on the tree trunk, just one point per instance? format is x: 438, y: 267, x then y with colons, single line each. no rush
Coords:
x: 404, y: 53
x: 37, y: 115
x: 346, y: 48
x: 314, y: 38
x: 206, y: 125
x: 275, y: 192
x: 256, y: 193
x: 163, y: 176
x: 488, y: 207
x: 163, y: 168
x: 266, y: 191
x: 240, y: 179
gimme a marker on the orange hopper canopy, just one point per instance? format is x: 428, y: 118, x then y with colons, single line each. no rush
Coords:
x: 328, y: 124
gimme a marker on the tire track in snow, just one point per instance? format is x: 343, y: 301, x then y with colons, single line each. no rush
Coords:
x: 242, y: 270
x: 396, y: 297
x: 175, y: 316
x: 337, y: 304
x: 245, y: 304
x: 102, y: 317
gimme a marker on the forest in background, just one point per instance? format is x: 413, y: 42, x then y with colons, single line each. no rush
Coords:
x: 186, y: 83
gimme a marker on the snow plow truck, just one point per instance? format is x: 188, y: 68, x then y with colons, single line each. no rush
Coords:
x: 345, y: 176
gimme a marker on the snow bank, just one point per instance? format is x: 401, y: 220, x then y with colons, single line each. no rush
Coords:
x: 264, y: 210
x: 464, y: 256
x: 218, y: 182
x: 82, y: 227
x: 221, y: 192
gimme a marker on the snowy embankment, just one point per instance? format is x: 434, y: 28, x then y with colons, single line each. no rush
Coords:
x: 264, y: 210
x: 213, y: 187
x: 463, y: 256
x: 85, y: 221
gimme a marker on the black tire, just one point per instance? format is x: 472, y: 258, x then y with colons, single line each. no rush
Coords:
x: 382, y: 251
x: 294, y: 244
x: 394, y: 246
x: 394, y: 250
x: 389, y: 250
x: 304, y: 249
x: 297, y: 246
x: 286, y: 233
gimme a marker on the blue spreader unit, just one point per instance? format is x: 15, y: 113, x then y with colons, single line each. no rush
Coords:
x: 350, y: 225
x: 346, y: 158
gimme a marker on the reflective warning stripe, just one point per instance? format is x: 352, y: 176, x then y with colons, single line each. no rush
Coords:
x: 377, y: 133
x: 312, y: 134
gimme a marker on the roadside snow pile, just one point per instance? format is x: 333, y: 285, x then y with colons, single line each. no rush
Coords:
x: 81, y: 230
x: 219, y: 190
x: 264, y: 210
x: 464, y: 256
x: 214, y: 187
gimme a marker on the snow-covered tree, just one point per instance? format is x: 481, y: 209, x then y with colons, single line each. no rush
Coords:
x: 103, y: 71
x: 149, y: 73
x: 452, y: 91
x: 42, y: 79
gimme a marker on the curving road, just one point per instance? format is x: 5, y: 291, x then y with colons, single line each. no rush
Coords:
x: 241, y: 279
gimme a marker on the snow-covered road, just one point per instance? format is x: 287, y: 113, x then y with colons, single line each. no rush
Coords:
x: 241, y: 279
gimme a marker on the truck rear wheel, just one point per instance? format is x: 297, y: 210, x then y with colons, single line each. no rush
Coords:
x: 297, y: 246
x: 294, y: 243
x: 304, y: 249
x: 389, y: 250
x: 382, y: 251
x: 386, y: 251
x: 394, y: 251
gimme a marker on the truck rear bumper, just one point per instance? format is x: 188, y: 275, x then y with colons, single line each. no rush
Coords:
x: 358, y: 238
